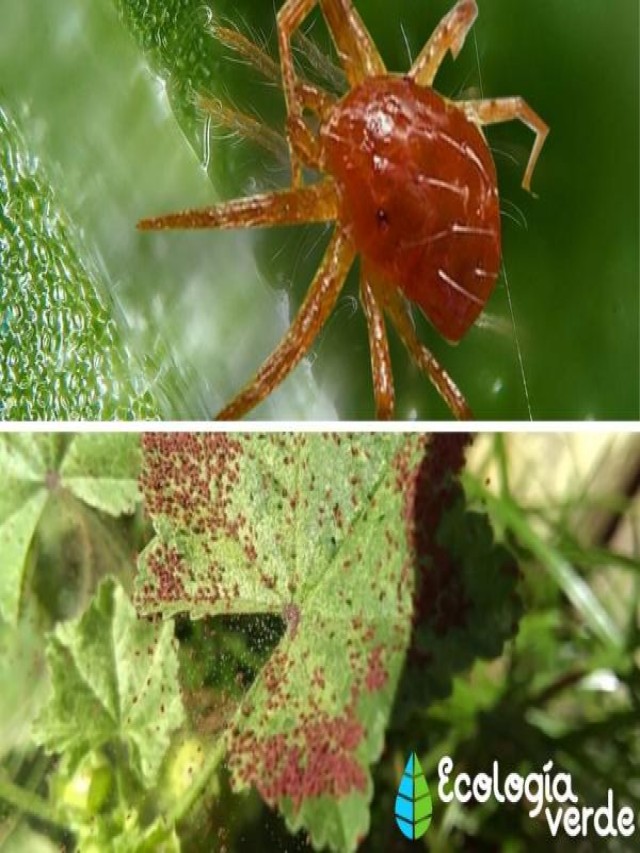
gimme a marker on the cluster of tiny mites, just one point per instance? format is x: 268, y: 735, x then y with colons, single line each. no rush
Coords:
x: 189, y: 480
x: 177, y: 475
x: 167, y: 568
x: 317, y: 756
x: 376, y: 676
x: 313, y: 759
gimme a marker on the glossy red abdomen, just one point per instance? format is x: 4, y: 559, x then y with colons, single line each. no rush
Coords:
x: 418, y: 189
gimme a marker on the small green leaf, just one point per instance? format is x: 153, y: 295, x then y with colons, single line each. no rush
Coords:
x: 24, y: 461
x: 114, y: 681
x: 60, y: 350
x: 102, y: 469
x: 100, y: 836
x: 22, y: 680
x: 16, y: 533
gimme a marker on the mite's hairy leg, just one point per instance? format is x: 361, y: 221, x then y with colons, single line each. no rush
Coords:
x: 398, y: 310
x: 245, y: 125
x: 358, y: 55
x: 379, y: 348
x: 312, y: 97
x: 494, y: 111
x: 448, y: 35
x: 316, y: 203
x: 313, y: 314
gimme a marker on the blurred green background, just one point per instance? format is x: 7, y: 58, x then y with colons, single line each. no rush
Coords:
x: 204, y: 309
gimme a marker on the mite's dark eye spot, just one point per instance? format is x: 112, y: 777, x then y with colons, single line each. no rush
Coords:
x: 382, y: 217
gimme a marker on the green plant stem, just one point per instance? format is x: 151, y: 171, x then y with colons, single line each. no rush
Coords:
x: 579, y: 593
x: 564, y: 682
x: 191, y: 796
x: 33, y: 780
x: 28, y: 802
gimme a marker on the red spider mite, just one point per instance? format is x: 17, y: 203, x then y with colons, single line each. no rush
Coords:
x: 408, y: 179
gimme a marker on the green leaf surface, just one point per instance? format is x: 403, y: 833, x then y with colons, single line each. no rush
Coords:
x: 16, y: 533
x: 363, y: 547
x: 61, y: 353
x: 178, y: 44
x: 114, y: 680
x: 24, y: 461
x: 102, y: 469
x: 24, y: 686
x: 38, y: 467
x: 251, y: 523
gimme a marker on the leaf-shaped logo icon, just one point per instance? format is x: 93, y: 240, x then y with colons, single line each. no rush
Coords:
x: 413, y: 802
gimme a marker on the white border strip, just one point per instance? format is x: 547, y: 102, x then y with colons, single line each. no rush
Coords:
x: 322, y: 426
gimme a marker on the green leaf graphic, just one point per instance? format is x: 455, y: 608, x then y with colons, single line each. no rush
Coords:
x: 25, y: 460
x: 413, y: 803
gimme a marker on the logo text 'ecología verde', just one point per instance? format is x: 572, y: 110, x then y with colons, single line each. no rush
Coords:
x: 413, y: 802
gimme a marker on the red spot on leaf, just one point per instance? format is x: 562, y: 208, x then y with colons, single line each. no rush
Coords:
x: 376, y: 676
x: 310, y: 760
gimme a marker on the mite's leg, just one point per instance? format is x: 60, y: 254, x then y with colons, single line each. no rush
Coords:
x: 448, y: 35
x: 248, y: 49
x: 245, y: 125
x: 507, y: 109
x: 313, y: 314
x: 321, y: 62
x: 357, y: 52
x: 398, y: 310
x: 316, y: 203
x: 306, y: 146
x: 311, y: 97
x: 315, y: 99
x: 379, y: 348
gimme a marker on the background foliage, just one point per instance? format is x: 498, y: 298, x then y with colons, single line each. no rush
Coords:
x: 200, y: 311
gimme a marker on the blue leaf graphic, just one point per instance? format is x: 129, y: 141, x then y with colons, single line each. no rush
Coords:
x: 413, y: 802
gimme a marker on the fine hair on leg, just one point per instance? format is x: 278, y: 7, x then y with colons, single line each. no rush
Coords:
x: 398, y: 310
x: 313, y: 314
x: 383, y: 390
x: 449, y: 35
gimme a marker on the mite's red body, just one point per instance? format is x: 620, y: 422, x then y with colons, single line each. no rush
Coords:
x: 408, y: 181
x: 418, y: 189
